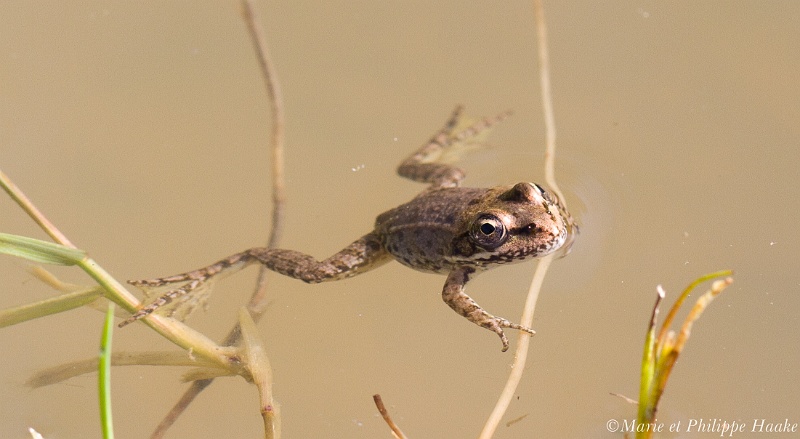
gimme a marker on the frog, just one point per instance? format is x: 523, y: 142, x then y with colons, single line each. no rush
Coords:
x: 446, y: 229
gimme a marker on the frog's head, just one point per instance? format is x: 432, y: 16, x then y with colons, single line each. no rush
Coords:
x: 509, y: 224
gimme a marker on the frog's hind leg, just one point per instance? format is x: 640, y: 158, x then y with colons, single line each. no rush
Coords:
x: 432, y: 162
x: 362, y: 255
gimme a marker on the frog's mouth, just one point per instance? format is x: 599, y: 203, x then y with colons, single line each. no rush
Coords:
x: 571, y: 231
x: 484, y: 259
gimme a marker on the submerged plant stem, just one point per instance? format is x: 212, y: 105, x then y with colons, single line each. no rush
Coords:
x: 521, y: 352
x: 258, y: 300
x: 396, y: 432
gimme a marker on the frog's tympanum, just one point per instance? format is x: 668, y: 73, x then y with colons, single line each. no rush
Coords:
x: 446, y: 229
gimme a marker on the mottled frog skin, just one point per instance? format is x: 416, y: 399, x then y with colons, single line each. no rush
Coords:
x: 446, y: 229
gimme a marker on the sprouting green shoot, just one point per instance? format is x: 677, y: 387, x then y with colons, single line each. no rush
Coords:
x: 661, y: 353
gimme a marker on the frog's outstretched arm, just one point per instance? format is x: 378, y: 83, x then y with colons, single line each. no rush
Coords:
x: 454, y: 295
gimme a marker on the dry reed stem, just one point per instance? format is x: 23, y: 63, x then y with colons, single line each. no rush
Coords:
x: 25, y: 203
x: 258, y: 301
x: 521, y: 352
x: 396, y: 432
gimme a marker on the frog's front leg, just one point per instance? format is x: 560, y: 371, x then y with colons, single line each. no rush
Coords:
x: 454, y: 295
x: 360, y: 256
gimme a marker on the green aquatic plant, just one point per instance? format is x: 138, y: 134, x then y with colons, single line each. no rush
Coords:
x: 661, y: 351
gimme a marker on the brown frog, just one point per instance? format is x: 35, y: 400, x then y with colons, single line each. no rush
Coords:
x: 446, y: 229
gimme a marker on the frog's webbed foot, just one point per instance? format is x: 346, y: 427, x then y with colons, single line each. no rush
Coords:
x: 432, y: 162
x: 454, y: 295
x: 162, y: 301
x: 194, y: 281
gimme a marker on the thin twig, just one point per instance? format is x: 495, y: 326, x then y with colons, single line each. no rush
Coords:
x: 624, y: 398
x: 272, y: 84
x: 547, y: 101
x: 396, y: 432
x: 19, y: 197
x: 257, y: 303
x: 179, y: 408
x: 521, y: 352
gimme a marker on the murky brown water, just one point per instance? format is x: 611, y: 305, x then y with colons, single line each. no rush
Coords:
x: 141, y: 131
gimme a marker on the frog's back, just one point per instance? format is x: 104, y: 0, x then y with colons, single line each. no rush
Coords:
x: 422, y: 232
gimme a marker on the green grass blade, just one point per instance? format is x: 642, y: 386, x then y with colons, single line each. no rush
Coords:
x: 649, y: 363
x: 104, y: 374
x: 53, y: 305
x: 39, y: 251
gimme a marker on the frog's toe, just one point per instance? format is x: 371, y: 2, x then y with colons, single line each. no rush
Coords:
x: 146, y: 282
x: 155, y: 283
x: 504, y: 340
x: 500, y: 323
x: 523, y: 328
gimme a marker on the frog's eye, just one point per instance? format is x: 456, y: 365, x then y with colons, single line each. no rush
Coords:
x: 489, y: 232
